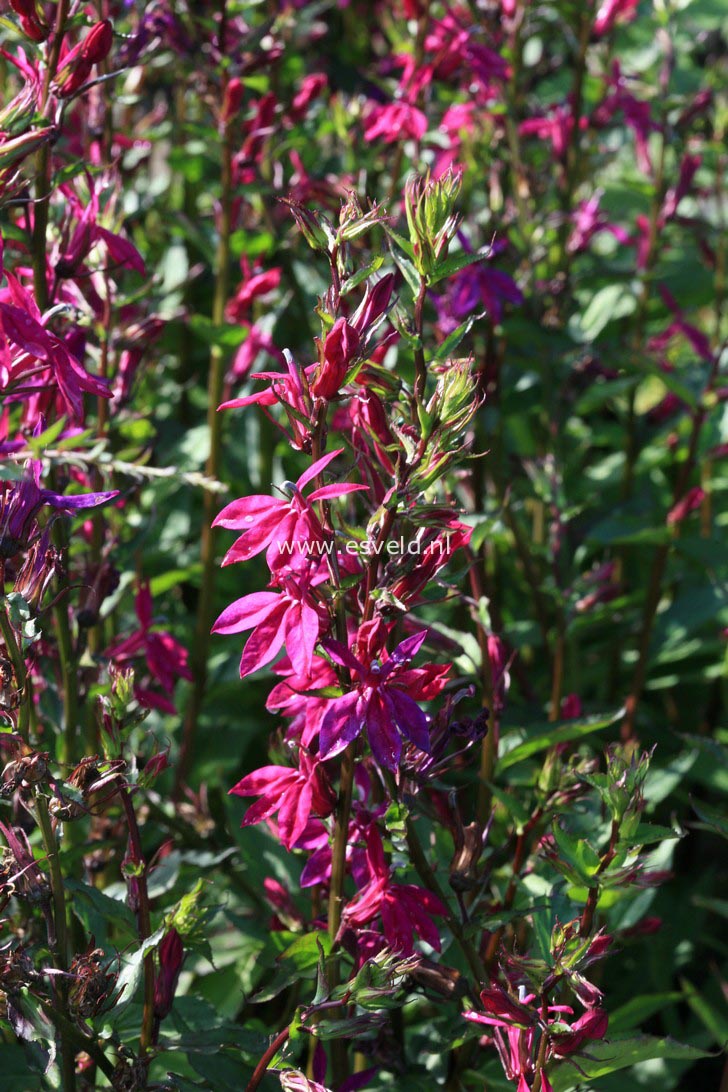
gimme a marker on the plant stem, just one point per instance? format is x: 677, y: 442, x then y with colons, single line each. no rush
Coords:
x: 659, y: 562
x: 260, y: 1070
x: 143, y: 918
x: 69, y: 683
x: 43, y: 179
x: 73, y: 1035
x: 587, y: 917
x: 21, y: 675
x: 216, y: 378
x: 60, y: 954
x: 336, y: 893
x: 422, y: 866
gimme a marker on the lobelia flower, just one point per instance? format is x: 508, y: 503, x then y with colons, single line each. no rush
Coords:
x: 20, y: 503
x: 40, y: 351
x: 405, y: 910
x: 292, y: 617
x: 520, y: 1020
x: 383, y: 700
x: 35, y: 28
x: 296, y: 794
x: 254, y: 286
x: 336, y: 353
x: 291, y: 390
x: 164, y: 656
x: 588, y: 221
x: 687, y: 504
x: 77, y: 64
x: 614, y: 11
x: 395, y: 121
x: 476, y: 285
x: 286, y: 527
x: 297, y: 696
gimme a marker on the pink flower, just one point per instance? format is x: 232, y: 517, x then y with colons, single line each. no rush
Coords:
x: 687, y: 504
x: 163, y: 655
x: 21, y: 501
x: 171, y: 958
x: 292, y: 617
x: 405, y: 909
x: 588, y: 222
x: 254, y: 286
x: 394, y: 122
x: 614, y: 11
x: 287, y: 526
x: 28, y: 349
x: 296, y: 794
x: 291, y: 390
x: 337, y: 352
x: 520, y: 1019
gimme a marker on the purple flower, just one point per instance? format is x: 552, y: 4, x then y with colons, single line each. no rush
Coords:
x: 20, y: 503
x: 383, y: 700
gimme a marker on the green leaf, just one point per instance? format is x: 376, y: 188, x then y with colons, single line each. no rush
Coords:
x: 97, y: 912
x: 305, y: 952
x: 612, y: 302
x: 714, y: 818
x: 714, y: 1019
x: 452, y: 341
x: 457, y: 262
x: 610, y: 1056
x: 577, y: 854
x: 131, y: 974
x: 630, y: 1015
x: 548, y: 736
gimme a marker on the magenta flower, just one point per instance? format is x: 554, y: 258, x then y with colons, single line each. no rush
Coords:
x: 164, y: 656
x: 405, y: 910
x: 291, y: 390
x: 588, y: 221
x: 297, y: 696
x: 614, y: 11
x: 296, y: 794
x: 395, y: 121
x: 287, y: 526
x: 254, y: 286
x: 36, y: 350
x: 291, y: 617
x: 383, y: 700
x: 520, y: 1020
x: 687, y: 504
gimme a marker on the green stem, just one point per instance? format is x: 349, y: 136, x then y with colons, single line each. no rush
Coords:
x: 65, y: 1027
x: 143, y: 918
x: 69, y: 683
x: 60, y: 954
x: 216, y: 378
x: 44, y: 164
x: 336, y: 894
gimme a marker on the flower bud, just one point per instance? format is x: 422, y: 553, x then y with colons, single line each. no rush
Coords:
x: 171, y: 958
x: 77, y: 65
x: 337, y: 351
x: 232, y: 99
